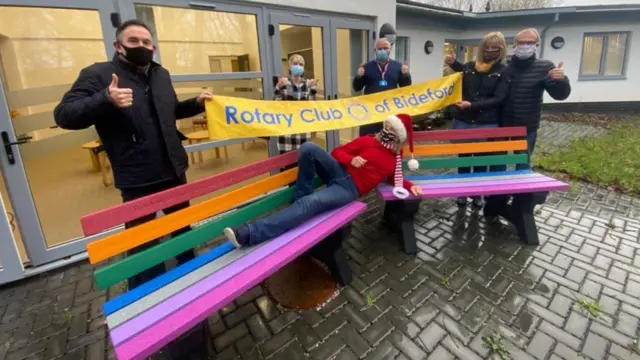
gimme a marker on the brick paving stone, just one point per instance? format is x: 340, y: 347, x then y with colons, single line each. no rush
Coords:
x: 441, y: 354
x: 540, y: 345
x: 595, y: 346
x: 589, y: 249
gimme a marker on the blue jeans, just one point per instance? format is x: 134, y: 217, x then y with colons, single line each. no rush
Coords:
x: 340, y: 191
x: 532, y: 136
x: 459, y: 125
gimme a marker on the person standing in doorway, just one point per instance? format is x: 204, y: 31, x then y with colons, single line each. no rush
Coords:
x: 379, y: 75
x: 530, y: 77
x: 132, y: 104
x: 483, y: 92
x: 295, y: 87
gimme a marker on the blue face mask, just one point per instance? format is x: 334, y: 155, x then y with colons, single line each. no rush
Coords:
x: 382, y: 55
x: 297, y: 70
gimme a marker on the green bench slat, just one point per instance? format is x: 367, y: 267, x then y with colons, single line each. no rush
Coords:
x: 456, y: 162
x: 131, y: 265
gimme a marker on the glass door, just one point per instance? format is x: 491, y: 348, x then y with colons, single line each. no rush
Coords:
x: 351, y: 46
x: 51, y: 177
x: 296, y: 33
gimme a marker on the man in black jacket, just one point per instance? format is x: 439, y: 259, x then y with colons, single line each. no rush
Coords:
x: 529, y: 78
x: 132, y: 104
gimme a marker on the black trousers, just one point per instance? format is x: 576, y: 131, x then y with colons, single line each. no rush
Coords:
x: 129, y: 194
x: 195, y: 343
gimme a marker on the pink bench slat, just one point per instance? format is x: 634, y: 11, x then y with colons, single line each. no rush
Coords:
x: 119, y: 214
x: 551, y: 185
x: 448, y: 135
x: 153, y: 338
x: 432, y: 186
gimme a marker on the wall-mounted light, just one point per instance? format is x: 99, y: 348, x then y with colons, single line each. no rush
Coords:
x: 388, y: 32
x: 428, y: 47
x: 557, y: 42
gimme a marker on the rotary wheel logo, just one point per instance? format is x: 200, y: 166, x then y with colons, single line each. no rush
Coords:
x: 358, y: 111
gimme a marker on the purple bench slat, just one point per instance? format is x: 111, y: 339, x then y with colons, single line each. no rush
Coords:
x: 154, y: 337
x: 456, y: 191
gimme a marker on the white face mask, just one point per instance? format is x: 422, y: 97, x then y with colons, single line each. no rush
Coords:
x: 524, y: 51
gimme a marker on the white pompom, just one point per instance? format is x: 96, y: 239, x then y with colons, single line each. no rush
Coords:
x: 413, y: 164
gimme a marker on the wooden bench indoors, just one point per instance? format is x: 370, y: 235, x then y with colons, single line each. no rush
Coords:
x: 142, y: 320
x: 527, y: 187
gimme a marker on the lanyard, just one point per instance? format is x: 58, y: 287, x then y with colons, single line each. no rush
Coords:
x: 383, y: 71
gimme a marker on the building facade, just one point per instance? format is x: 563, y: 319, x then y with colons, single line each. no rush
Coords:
x: 596, y: 44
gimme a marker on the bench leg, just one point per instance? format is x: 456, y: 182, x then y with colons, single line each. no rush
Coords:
x: 523, y: 218
x: 399, y: 215
x: 520, y: 213
x: 330, y: 252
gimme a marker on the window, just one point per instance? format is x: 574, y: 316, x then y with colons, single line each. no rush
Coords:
x: 603, y: 55
x: 402, y: 49
x: 203, y: 41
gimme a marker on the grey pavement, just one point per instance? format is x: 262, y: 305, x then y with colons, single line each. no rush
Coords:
x: 471, y: 279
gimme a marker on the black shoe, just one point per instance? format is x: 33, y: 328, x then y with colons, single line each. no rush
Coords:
x: 462, y: 201
x: 478, y: 203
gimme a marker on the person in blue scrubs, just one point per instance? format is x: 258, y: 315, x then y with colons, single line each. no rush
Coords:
x: 379, y: 75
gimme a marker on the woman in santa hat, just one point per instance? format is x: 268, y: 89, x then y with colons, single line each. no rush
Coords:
x: 350, y: 171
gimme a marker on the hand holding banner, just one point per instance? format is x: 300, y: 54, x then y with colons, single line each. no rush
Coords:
x: 231, y: 117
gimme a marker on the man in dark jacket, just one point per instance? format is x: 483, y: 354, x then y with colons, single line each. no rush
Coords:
x: 132, y: 104
x: 530, y: 77
x: 379, y: 75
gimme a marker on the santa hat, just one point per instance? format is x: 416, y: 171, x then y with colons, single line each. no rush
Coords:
x: 403, y: 127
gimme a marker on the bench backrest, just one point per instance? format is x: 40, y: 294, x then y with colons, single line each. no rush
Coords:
x: 121, y: 242
x: 496, y: 142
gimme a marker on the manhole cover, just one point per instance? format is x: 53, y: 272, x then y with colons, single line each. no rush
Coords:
x: 303, y: 284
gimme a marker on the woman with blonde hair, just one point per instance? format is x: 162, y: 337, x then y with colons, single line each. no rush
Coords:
x: 295, y: 87
x: 484, y: 89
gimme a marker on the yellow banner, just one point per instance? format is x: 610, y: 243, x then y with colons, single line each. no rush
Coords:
x: 232, y: 117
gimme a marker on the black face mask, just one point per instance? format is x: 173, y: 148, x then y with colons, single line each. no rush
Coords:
x: 387, y: 136
x: 138, y: 56
x: 490, y: 56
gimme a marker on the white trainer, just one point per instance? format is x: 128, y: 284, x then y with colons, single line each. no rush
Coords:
x: 231, y: 236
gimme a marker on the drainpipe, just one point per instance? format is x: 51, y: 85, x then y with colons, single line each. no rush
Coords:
x: 543, y: 33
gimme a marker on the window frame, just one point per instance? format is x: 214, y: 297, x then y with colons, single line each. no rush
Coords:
x: 407, y: 51
x: 603, y: 56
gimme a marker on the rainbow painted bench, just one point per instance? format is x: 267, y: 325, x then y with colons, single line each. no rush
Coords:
x: 501, y: 147
x: 143, y: 320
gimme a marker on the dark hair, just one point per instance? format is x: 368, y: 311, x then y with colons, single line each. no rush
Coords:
x: 133, y: 22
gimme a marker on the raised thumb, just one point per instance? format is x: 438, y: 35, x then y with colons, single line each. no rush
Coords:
x: 114, y: 80
x: 560, y: 65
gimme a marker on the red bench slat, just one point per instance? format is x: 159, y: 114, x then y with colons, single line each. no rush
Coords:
x: 470, y: 134
x: 107, y: 218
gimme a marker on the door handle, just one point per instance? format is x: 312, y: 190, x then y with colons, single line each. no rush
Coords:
x: 8, y: 145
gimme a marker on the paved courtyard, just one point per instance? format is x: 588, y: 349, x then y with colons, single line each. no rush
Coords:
x: 471, y: 279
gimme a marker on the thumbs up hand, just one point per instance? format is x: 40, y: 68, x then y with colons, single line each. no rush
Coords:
x: 121, y: 98
x: 450, y: 58
x: 405, y: 68
x: 557, y: 73
x: 360, y: 72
